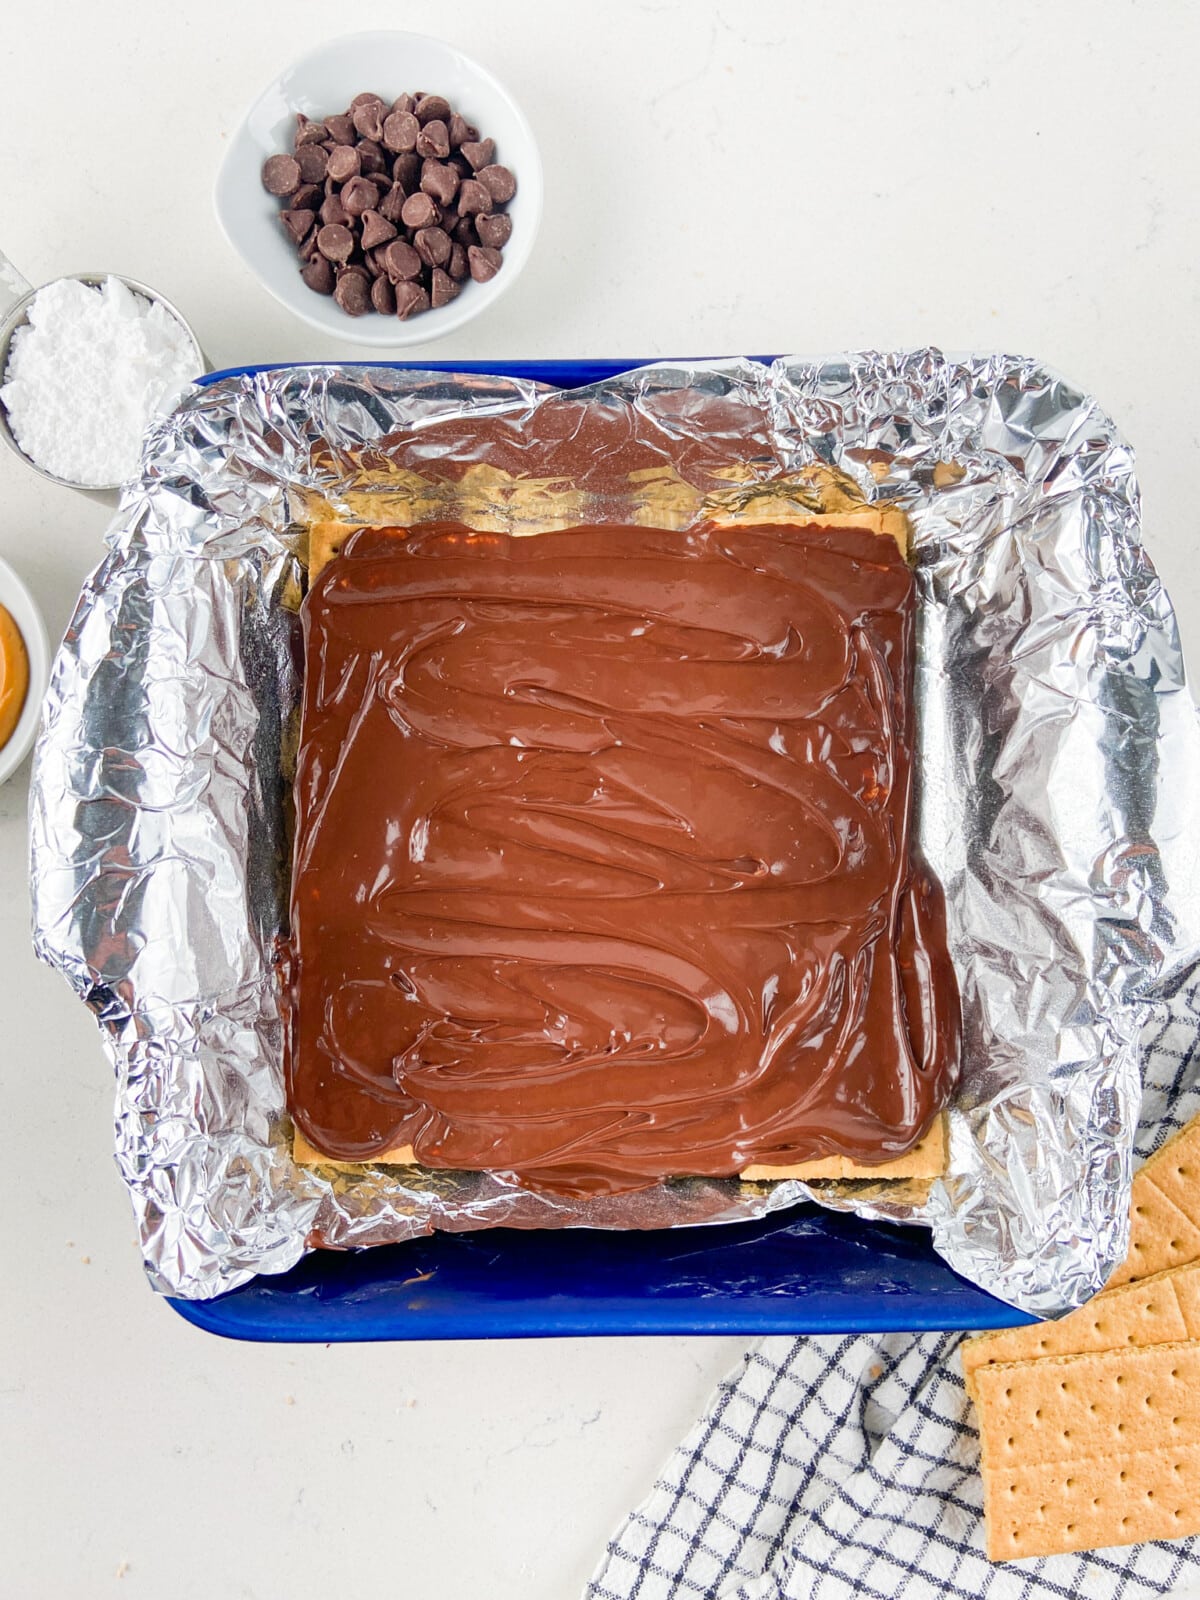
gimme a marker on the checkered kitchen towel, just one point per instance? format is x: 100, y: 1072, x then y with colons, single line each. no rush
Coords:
x: 849, y: 1466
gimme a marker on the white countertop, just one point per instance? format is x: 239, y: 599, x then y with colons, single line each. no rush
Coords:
x: 719, y: 179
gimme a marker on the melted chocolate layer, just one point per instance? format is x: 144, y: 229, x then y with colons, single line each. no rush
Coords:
x: 603, y: 865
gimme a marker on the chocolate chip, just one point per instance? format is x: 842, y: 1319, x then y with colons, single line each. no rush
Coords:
x: 419, y: 211
x: 371, y: 158
x: 400, y: 131
x: 473, y: 198
x: 478, y: 152
x: 439, y: 181
x: 494, y: 231
x: 308, y: 132
x: 457, y: 128
x: 297, y: 223
x: 375, y: 230
x: 353, y: 293
x: 432, y: 245
x: 406, y: 169
x: 400, y: 260
x: 431, y: 108
x: 313, y: 162
x: 318, y: 275
x: 335, y: 242
x: 484, y: 263
x: 360, y: 195
x: 392, y: 203
x: 499, y: 183
x: 281, y: 175
x: 443, y: 289
x: 333, y: 212
x: 410, y: 299
x: 368, y: 116
x: 392, y: 208
x: 433, y: 139
x: 344, y: 164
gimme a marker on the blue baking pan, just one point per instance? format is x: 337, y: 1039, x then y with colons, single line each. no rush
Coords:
x: 802, y: 1271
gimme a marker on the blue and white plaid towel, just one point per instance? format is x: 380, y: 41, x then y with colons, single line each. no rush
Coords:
x: 839, y: 1467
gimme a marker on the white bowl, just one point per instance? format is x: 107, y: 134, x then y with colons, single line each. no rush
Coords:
x: 324, y: 82
x: 18, y: 600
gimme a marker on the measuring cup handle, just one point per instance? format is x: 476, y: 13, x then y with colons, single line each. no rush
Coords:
x: 12, y: 286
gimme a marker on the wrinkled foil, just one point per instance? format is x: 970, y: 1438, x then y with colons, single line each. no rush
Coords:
x: 1058, y: 758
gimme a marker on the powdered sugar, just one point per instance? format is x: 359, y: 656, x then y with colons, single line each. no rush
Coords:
x: 87, y: 372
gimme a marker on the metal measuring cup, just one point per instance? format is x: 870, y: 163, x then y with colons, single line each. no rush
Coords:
x: 16, y: 295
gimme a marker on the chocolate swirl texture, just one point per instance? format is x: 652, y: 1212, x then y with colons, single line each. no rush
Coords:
x: 604, y: 870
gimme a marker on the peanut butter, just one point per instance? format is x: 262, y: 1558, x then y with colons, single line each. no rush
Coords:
x: 14, y: 675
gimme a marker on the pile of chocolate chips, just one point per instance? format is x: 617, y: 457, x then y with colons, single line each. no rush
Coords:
x: 392, y: 207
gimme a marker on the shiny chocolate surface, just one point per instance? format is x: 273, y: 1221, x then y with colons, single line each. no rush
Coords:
x: 604, y: 868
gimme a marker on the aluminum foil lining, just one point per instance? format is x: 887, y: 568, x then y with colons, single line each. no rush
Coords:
x: 1059, y: 758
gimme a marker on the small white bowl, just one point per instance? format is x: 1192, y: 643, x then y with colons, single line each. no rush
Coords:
x: 324, y: 82
x: 18, y: 600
